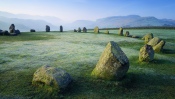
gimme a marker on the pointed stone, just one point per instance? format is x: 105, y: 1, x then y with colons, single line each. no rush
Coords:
x: 113, y: 63
x: 120, y: 31
x: 96, y: 29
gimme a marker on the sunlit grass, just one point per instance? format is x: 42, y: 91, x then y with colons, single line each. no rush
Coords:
x: 78, y: 53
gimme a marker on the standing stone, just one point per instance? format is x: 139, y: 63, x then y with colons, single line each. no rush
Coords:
x: 147, y: 37
x: 113, y: 63
x: 4, y: 32
x: 12, y: 28
x: 96, y: 29
x: 47, y: 28
x: 120, y: 31
x: 1, y: 32
x: 153, y: 42
x: 75, y: 30
x: 61, y: 28
x: 17, y: 32
x: 157, y: 44
x: 84, y: 29
x: 146, y: 53
x: 32, y: 30
x: 106, y: 32
x: 51, y: 77
x: 79, y: 29
x: 127, y: 34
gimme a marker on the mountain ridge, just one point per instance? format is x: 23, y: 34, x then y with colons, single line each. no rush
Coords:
x: 26, y: 22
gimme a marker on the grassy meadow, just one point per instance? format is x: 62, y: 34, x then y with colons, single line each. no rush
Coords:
x: 78, y: 53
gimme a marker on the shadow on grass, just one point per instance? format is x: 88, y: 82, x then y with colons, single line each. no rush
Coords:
x: 169, y: 51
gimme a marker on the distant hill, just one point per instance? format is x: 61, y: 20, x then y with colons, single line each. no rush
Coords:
x: 126, y: 21
x: 81, y: 24
x: 50, y: 19
x: 26, y: 22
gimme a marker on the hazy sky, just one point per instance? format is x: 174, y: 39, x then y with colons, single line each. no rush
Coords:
x: 70, y: 10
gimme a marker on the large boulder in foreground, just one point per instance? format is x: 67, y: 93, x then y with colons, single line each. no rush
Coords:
x: 146, y: 53
x: 113, y: 63
x: 54, y: 78
x: 147, y: 37
x: 96, y: 29
x: 157, y: 44
x: 120, y: 31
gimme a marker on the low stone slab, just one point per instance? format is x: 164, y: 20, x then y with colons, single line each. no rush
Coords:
x: 51, y: 77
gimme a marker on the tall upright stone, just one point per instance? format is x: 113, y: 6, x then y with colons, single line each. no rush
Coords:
x: 47, y: 28
x: 96, y: 29
x: 12, y: 28
x: 146, y: 53
x: 79, y: 29
x: 120, y: 31
x: 61, y: 28
x: 113, y: 63
x: 84, y: 29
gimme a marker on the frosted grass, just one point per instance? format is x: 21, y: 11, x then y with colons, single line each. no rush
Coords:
x: 66, y: 50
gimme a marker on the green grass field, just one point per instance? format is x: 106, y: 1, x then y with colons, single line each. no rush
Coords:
x: 78, y: 53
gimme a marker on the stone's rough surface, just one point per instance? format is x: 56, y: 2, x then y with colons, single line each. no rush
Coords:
x: 79, y: 29
x: 47, y: 28
x: 120, y: 31
x: 106, y: 32
x: 113, y: 63
x: 4, y: 32
x: 75, y: 30
x: 153, y: 42
x: 147, y: 37
x: 51, y: 77
x: 96, y: 29
x: 84, y: 29
x: 146, y: 53
x: 32, y: 30
x: 61, y: 28
x: 17, y: 32
x: 12, y: 28
x: 127, y: 34
x: 159, y: 46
